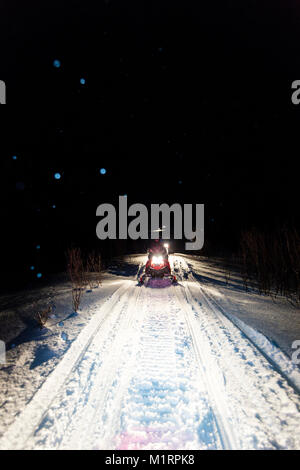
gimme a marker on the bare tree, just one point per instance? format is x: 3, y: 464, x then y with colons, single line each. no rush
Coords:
x: 94, y: 269
x: 76, y: 297
x: 271, y: 260
x: 75, y: 268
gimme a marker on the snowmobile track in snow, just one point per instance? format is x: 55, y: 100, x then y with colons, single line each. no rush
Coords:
x: 31, y: 418
x: 243, y: 363
x: 160, y: 368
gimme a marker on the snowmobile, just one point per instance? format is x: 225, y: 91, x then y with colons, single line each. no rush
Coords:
x: 157, y: 266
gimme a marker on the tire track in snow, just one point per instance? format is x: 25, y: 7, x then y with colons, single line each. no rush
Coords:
x: 264, y: 407
x: 160, y: 369
x: 167, y: 405
x: 89, y: 414
x: 281, y: 362
x: 22, y: 433
x: 213, y: 380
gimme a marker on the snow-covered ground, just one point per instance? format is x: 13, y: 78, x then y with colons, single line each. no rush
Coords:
x: 154, y: 367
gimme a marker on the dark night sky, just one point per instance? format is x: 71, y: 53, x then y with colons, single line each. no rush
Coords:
x: 197, y: 92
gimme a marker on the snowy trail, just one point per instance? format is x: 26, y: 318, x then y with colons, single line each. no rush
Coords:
x: 264, y: 408
x: 160, y: 368
x: 167, y: 405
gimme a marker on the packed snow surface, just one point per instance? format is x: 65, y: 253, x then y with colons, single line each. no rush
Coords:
x: 161, y: 366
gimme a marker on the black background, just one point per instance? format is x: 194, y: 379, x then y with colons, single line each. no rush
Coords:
x: 190, y: 92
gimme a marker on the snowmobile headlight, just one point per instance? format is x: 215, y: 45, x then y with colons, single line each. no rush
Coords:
x: 157, y: 259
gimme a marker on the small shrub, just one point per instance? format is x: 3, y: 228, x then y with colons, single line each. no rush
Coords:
x: 75, y: 268
x: 94, y: 269
x: 76, y: 297
x: 43, y: 316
